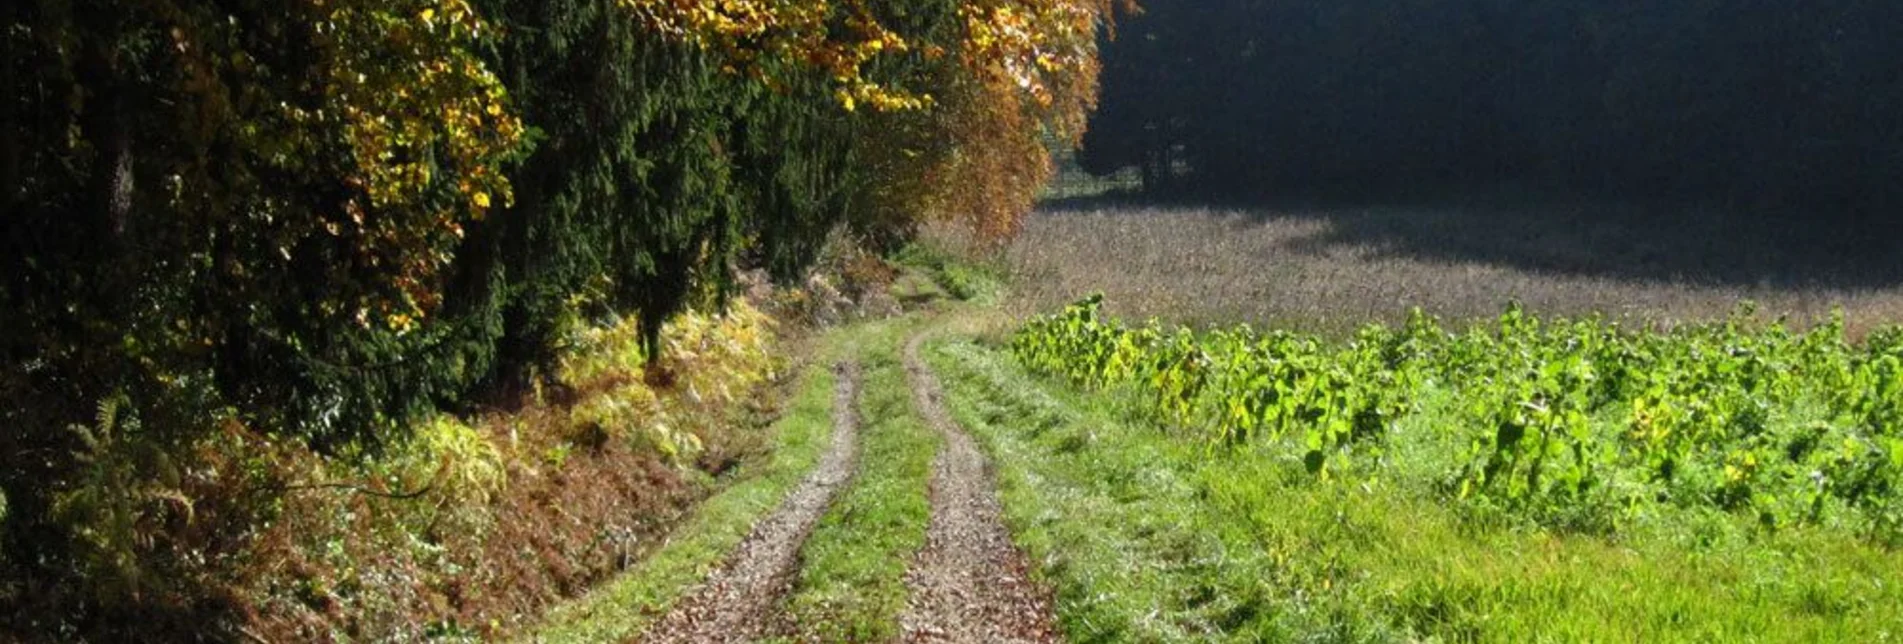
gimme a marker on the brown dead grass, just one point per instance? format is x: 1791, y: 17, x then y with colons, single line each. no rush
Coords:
x: 574, y: 513
x: 1330, y: 271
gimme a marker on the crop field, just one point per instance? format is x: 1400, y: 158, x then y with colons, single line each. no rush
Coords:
x: 1332, y: 270
x: 1152, y: 531
x: 1573, y: 424
x: 1367, y: 426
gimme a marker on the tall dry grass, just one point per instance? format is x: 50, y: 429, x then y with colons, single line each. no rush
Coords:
x: 1330, y: 270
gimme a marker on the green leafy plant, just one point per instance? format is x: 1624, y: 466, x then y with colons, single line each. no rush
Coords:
x: 127, y: 484
x: 1559, y: 420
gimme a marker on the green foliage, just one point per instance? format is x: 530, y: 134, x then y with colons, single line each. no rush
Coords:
x: 127, y: 485
x: 1567, y: 422
x: 456, y: 460
x: 1145, y: 536
x: 707, y: 355
x: 329, y: 223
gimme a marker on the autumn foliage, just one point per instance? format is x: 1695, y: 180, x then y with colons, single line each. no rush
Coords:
x: 314, y: 222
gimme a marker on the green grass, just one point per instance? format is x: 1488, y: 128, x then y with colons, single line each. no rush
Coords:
x: 1110, y: 519
x: 913, y: 287
x: 1147, y: 537
x: 621, y: 608
x: 852, y: 586
x: 961, y: 275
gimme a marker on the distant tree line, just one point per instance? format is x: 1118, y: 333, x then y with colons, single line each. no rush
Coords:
x: 321, y: 219
x: 1760, y: 103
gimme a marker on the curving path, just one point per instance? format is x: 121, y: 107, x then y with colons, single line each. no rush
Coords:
x: 969, y: 583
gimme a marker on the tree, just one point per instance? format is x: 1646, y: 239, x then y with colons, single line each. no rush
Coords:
x: 1768, y: 106
x: 322, y: 219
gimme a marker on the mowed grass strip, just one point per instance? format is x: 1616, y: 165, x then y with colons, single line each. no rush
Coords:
x: 1150, y: 537
x: 852, y: 585
x: 621, y: 608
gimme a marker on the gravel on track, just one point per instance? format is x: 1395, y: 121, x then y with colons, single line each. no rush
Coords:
x: 969, y: 583
x: 741, y: 600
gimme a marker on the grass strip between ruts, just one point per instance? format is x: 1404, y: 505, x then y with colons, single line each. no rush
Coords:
x: 852, y: 586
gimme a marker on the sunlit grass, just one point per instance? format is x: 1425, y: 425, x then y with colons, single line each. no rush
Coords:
x: 852, y: 584
x: 1148, y: 536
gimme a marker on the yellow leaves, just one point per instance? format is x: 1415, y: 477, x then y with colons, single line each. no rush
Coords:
x: 413, y: 110
x: 401, y: 322
x: 1043, y: 50
x: 813, y: 35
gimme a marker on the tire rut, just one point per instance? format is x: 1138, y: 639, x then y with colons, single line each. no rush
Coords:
x: 741, y: 600
x: 969, y: 583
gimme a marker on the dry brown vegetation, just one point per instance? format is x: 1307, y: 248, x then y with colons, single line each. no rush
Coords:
x: 588, y: 476
x: 1330, y: 270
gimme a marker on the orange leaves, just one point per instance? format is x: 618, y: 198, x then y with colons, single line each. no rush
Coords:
x: 1042, y: 52
x: 1006, y: 80
x: 1043, y: 49
x: 1032, y: 67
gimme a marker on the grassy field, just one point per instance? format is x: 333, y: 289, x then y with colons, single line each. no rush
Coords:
x: 1154, y: 527
x: 1151, y: 536
x: 1333, y: 269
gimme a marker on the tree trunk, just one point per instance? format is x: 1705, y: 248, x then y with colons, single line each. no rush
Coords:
x: 104, y: 124
x: 1151, y: 181
x: 12, y: 91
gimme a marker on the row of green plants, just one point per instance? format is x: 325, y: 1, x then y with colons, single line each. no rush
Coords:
x: 1567, y: 422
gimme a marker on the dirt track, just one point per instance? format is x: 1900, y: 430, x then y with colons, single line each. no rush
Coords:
x: 741, y: 601
x: 969, y: 583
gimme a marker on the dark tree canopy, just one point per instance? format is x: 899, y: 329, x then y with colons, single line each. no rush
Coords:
x: 320, y: 220
x: 1773, y: 104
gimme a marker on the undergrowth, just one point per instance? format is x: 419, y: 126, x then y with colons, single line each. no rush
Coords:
x: 619, y: 609
x: 459, y: 529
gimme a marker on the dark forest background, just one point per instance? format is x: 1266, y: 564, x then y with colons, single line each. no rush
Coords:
x: 1757, y: 105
